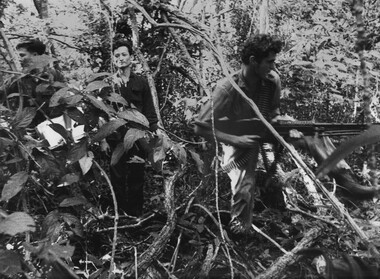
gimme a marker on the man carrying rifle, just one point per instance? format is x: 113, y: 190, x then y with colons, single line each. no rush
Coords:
x: 258, y: 79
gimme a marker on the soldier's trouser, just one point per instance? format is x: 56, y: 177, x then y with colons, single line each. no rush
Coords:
x: 128, y: 183
x: 243, y: 180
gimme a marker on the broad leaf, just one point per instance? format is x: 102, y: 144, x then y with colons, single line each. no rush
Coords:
x: 96, y: 85
x: 117, y: 154
x: 131, y: 136
x: 108, y: 129
x: 370, y: 136
x: 180, y: 153
x: 198, y: 161
x: 69, y: 179
x: 14, y: 185
x: 62, y: 251
x: 71, y: 100
x: 116, y: 98
x: 17, y: 222
x: 57, y: 96
x: 85, y: 162
x: 77, y: 115
x: 74, y: 201
x: 78, y: 151
x: 24, y: 118
x: 100, y: 105
x: 98, y: 75
x: 10, y: 263
x: 134, y: 115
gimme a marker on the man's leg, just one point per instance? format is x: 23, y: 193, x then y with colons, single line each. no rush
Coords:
x: 118, y: 180
x: 135, y: 189
x: 243, y: 180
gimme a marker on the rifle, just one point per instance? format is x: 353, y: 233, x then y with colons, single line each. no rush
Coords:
x: 254, y: 126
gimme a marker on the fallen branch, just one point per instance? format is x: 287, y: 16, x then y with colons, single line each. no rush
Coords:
x: 278, y: 267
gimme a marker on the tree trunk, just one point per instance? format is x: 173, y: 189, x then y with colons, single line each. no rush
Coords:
x: 42, y: 8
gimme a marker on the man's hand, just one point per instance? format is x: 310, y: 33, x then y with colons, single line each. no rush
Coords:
x: 245, y: 140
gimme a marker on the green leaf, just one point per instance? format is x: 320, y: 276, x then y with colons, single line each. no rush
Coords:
x: 370, y: 136
x: 180, y: 153
x: 98, y: 75
x: 71, y: 100
x: 17, y: 222
x: 117, y: 154
x: 74, y: 201
x: 69, y: 179
x: 135, y: 116
x: 24, y: 118
x: 198, y: 161
x: 62, y: 251
x: 77, y: 115
x: 116, y: 98
x: 85, y: 162
x: 108, y: 129
x: 14, y: 185
x: 131, y: 136
x: 10, y: 263
x: 100, y: 105
x: 78, y: 151
x: 96, y: 85
x: 57, y: 96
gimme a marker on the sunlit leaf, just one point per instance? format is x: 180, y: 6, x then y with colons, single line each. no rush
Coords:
x: 134, y: 115
x: 14, y: 185
x: 57, y: 96
x: 85, y: 162
x: 71, y: 100
x: 180, y: 153
x: 98, y: 75
x: 116, y: 98
x: 198, y: 161
x: 17, y: 222
x: 96, y: 85
x: 131, y: 136
x: 74, y: 201
x: 108, y: 129
x: 99, y: 104
x: 69, y: 179
x: 117, y: 154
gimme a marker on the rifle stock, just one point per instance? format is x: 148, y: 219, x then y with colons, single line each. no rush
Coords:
x: 254, y: 126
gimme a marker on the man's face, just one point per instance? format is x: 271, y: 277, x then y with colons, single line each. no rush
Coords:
x: 266, y: 65
x: 25, y: 55
x: 122, y: 58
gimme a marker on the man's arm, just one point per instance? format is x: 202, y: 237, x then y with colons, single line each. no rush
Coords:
x: 222, y: 105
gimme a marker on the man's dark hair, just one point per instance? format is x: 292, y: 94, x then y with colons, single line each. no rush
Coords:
x: 121, y: 43
x: 33, y: 46
x: 259, y: 46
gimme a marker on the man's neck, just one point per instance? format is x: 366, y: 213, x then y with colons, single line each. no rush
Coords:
x: 124, y: 73
x: 251, y: 78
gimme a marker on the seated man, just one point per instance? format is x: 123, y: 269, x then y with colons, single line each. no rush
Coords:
x: 259, y: 81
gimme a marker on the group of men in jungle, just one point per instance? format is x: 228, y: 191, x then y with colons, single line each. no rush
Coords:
x: 257, y: 78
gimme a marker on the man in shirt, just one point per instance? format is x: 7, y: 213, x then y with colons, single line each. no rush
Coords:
x: 127, y: 175
x: 259, y: 81
x: 37, y: 86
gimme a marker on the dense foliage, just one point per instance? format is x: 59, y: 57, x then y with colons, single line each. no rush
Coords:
x: 57, y: 215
